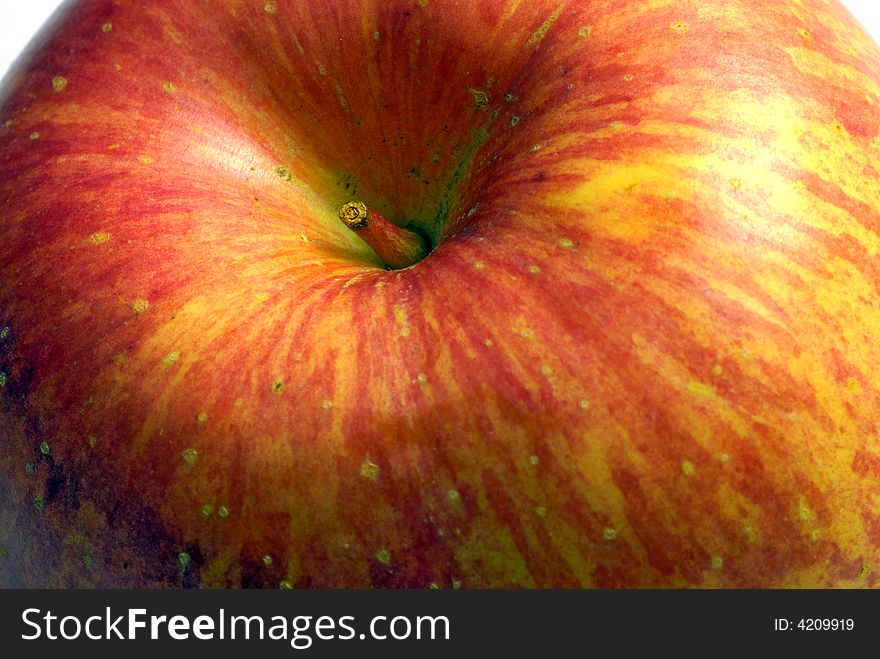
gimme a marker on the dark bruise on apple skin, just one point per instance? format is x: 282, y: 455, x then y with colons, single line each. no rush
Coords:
x: 642, y: 353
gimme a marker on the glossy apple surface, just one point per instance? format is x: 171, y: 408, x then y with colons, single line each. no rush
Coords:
x: 642, y: 353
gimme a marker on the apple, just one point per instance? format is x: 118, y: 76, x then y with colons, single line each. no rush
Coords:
x: 615, y: 321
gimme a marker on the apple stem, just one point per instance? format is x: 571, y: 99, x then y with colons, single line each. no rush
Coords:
x: 397, y: 247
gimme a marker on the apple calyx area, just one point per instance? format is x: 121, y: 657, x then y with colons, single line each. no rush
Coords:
x: 397, y: 247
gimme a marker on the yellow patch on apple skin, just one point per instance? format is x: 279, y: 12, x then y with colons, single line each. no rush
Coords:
x: 34, y: 135
x: 170, y: 358
x: 534, y: 269
x: 261, y: 297
x: 99, y: 238
x: 804, y: 512
x: 326, y: 405
x: 679, y: 27
x: 107, y: 27
x: 4, y: 333
x: 169, y: 87
x: 401, y: 319
x: 222, y: 512
x: 59, y: 83
x: 340, y: 96
x: 481, y: 98
x: 145, y: 160
x: 687, y: 468
x: 546, y: 370
x: 202, y: 417
x: 585, y: 32
x: 701, y: 389
x: 609, y: 533
x: 190, y: 456
x: 584, y: 404
x: 479, y: 265
x: 383, y: 556
x: 270, y: 7
x: 140, y: 305
x: 717, y: 562
x: 541, y: 32
x: 370, y: 470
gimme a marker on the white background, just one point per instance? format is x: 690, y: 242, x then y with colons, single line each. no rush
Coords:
x: 20, y: 19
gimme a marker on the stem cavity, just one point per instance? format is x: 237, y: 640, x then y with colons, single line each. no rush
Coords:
x: 397, y: 247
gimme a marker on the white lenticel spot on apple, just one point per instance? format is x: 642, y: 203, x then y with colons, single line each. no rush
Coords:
x: 609, y: 533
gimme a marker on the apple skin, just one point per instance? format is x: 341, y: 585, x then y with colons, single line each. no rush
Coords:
x: 642, y: 354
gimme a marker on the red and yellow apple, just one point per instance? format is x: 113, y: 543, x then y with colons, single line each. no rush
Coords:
x: 641, y: 352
